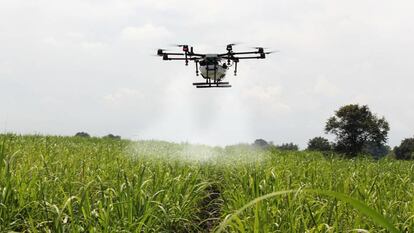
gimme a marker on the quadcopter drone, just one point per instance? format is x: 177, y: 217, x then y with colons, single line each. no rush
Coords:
x: 212, y: 67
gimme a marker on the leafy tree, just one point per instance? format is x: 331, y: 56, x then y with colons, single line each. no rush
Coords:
x: 261, y: 143
x: 353, y: 126
x: 82, y: 134
x: 405, y: 150
x: 288, y: 146
x: 113, y: 137
x: 319, y: 144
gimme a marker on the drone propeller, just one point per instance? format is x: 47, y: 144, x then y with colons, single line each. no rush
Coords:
x: 160, y: 52
x: 261, y: 50
x: 184, y: 46
x: 180, y: 45
x: 229, y: 47
x: 274, y: 51
x: 233, y: 44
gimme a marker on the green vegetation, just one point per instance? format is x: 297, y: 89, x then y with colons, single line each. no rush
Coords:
x: 79, y: 184
x: 288, y: 146
x: 354, y: 126
x: 405, y: 150
x: 319, y: 144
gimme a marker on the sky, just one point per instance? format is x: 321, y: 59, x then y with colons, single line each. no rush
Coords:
x: 88, y: 65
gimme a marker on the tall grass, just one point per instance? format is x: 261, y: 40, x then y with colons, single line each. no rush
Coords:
x: 67, y: 184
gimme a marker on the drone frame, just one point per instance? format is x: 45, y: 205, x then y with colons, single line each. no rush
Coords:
x: 235, y: 57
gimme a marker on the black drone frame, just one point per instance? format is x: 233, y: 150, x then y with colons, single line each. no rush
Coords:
x: 188, y: 54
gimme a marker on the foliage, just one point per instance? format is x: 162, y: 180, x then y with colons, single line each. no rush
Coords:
x: 374, y: 215
x: 261, y: 143
x: 319, y: 144
x: 288, y: 146
x: 353, y: 126
x: 377, y: 151
x: 82, y: 135
x: 405, y: 150
x: 113, y: 137
x: 72, y: 184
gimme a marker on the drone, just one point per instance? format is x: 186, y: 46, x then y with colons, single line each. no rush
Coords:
x: 213, y: 67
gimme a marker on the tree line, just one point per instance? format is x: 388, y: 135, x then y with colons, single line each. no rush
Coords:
x: 109, y: 136
x: 357, y: 131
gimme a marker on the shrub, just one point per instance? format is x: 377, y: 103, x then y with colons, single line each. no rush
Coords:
x: 377, y: 151
x: 113, y: 137
x: 82, y: 135
x: 261, y: 143
x: 319, y: 144
x: 288, y: 146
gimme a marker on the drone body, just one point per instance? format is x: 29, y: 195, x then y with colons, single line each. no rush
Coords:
x: 213, y: 67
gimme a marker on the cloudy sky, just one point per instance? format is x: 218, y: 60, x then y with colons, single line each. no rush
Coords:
x: 87, y: 65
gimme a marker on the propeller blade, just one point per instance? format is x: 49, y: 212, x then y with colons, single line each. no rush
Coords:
x: 274, y: 51
x: 233, y: 44
x: 178, y: 45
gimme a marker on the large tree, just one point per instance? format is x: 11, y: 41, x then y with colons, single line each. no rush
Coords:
x: 354, y: 126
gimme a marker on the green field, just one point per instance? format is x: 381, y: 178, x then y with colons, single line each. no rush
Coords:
x: 69, y: 184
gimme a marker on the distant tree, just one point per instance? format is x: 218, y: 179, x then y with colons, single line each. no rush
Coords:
x: 261, y: 143
x: 377, y: 151
x: 82, y: 134
x: 319, y: 144
x: 288, y: 146
x: 353, y: 126
x: 405, y: 150
x: 113, y: 137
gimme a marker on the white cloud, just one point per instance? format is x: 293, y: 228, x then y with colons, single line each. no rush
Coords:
x: 146, y: 32
x: 50, y: 40
x: 5, y: 69
x: 91, y: 45
x: 266, y: 98
x: 324, y: 87
x: 123, y: 96
x: 73, y: 39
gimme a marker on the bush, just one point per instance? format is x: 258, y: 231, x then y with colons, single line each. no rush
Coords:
x: 288, y: 146
x: 261, y: 143
x: 82, y: 135
x: 113, y: 137
x: 406, y: 149
x: 377, y: 151
x: 319, y: 144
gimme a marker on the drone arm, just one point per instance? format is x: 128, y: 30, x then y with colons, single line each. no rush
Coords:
x: 180, y: 59
x: 174, y: 54
x: 196, y: 55
x: 249, y: 57
x: 252, y: 57
x: 238, y: 53
x: 184, y: 54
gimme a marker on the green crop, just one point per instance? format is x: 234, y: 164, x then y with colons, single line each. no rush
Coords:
x: 70, y: 184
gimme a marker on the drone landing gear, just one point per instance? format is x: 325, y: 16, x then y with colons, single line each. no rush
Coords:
x: 209, y: 84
